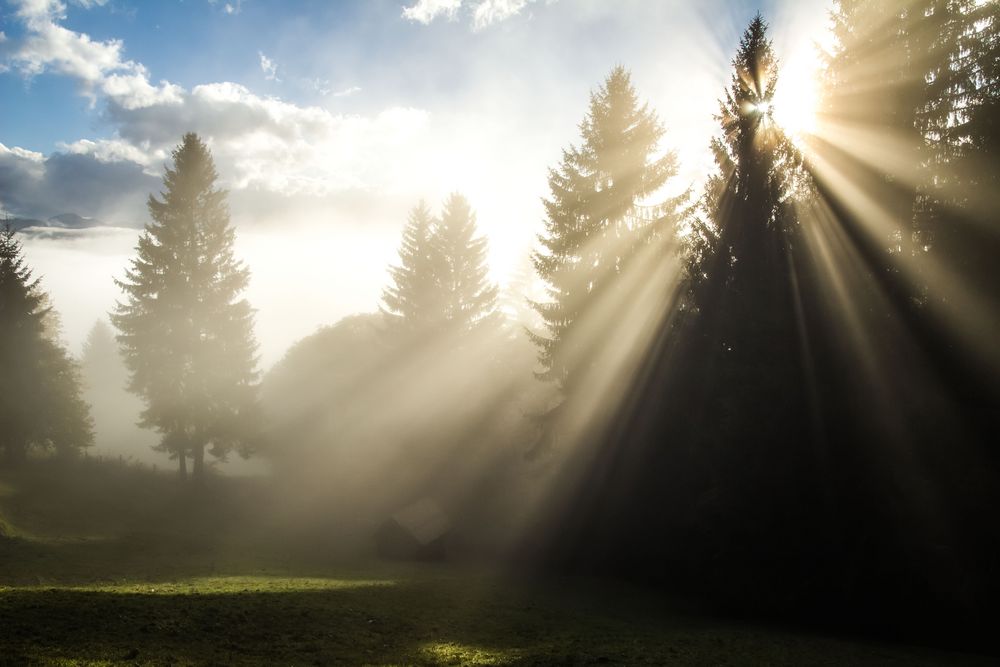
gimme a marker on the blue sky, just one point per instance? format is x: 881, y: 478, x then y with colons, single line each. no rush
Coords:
x: 340, y: 45
x: 330, y: 119
x: 312, y: 104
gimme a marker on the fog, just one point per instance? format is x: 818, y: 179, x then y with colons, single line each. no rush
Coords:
x: 351, y: 184
x: 79, y: 269
x: 499, y: 332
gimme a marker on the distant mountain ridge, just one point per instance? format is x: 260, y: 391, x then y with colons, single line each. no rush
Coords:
x: 61, y: 221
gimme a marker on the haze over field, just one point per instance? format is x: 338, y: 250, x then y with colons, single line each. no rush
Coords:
x: 499, y: 332
x: 330, y: 123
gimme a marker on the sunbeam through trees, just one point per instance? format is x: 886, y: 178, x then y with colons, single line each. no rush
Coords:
x: 638, y: 333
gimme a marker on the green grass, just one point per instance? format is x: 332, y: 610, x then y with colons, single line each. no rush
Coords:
x: 412, y: 615
x: 107, y: 593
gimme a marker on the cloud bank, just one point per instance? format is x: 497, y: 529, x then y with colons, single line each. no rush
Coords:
x: 483, y: 13
x: 260, y: 143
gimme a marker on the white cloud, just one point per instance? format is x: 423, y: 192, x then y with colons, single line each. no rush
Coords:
x: 347, y: 92
x: 268, y: 67
x: 484, y: 12
x: 260, y: 143
x: 87, y: 179
x: 233, y: 8
x: 40, y: 9
x: 133, y: 91
x: 21, y: 153
x: 265, y: 143
x: 98, y: 65
x: 425, y: 11
x: 116, y: 150
x: 492, y: 11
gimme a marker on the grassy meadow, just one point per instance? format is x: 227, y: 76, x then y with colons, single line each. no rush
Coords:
x: 88, y: 580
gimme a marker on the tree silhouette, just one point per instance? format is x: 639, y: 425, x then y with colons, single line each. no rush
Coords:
x: 470, y: 298
x: 696, y: 478
x: 41, y: 405
x: 932, y: 258
x: 921, y: 277
x: 414, y: 302
x: 747, y: 218
x: 187, y: 337
x: 115, y: 410
x: 590, y: 229
x: 721, y: 424
x: 957, y: 119
x: 441, y: 286
x: 101, y: 361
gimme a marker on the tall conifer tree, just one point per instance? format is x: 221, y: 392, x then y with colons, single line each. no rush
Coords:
x: 186, y: 334
x: 592, y: 227
x: 748, y: 219
x: 441, y: 285
x: 413, y: 302
x: 470, y: 298
x: 41, y: 404
x: 740, y: 430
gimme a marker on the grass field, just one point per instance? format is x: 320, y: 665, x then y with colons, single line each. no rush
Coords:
x: 82, y: 584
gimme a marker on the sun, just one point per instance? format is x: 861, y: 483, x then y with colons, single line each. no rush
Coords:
x: 796, y: 99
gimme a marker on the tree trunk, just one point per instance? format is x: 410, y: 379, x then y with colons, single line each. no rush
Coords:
x: 198, y: 456
x: 182, y: 461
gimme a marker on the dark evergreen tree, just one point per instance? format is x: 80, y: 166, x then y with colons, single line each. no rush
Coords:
x: 926, y: 186
x: 880, y: 46
x: 745, y: 206
x: 744, y: 409
x: 959, y: 121
x: 742, y: 240
x: 930, y: 168
x: 595, y: 223
x: 695, y: 476
x: 186, y: 334
x: 41, y: 404
x: 907, y: 79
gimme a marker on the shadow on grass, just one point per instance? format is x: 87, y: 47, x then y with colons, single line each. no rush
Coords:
x: 427, y: 618
x: 90, y: 578
x: 260, y: 622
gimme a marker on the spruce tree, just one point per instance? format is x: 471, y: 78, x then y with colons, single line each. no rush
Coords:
x: 737, y: 423
x: 186, y: 334
x: 743, y: 329
x: 114, y: 408
x: 747, y: 219
x: 593, y: 224
x: 929, y: 194
x: 41, y: 404
x: 875, y: 86
x: 413, y: 302
x: 961, y: 124
x: 469, y: 297
x: 101, y: 361
x: 441, y: 285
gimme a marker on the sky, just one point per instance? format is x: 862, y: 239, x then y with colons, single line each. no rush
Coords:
x: 329, y: 120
